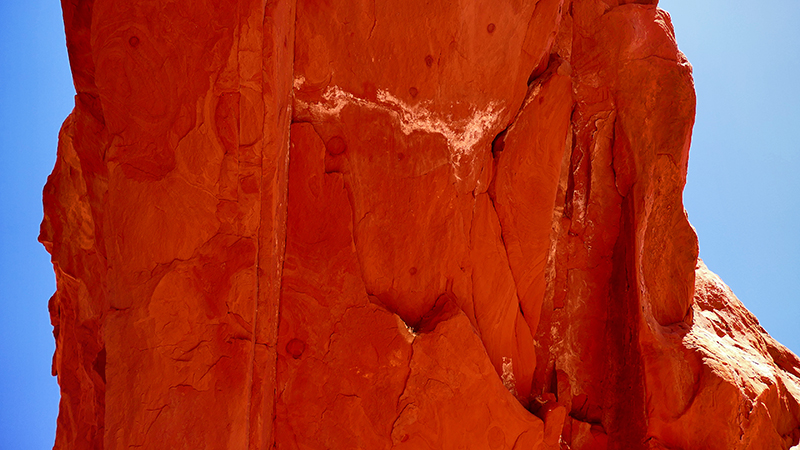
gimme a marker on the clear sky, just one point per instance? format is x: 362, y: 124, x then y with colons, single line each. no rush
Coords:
x: 743, y: 189
x: 742, y: 195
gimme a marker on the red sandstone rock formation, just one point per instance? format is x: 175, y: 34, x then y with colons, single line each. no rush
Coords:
x: 403, y: 224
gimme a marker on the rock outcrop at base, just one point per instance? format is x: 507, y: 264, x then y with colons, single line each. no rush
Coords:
x: 338, y: 224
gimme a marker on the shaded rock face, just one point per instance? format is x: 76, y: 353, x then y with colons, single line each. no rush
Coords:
x: 329, y: 224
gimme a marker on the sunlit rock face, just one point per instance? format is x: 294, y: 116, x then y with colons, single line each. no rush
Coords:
x: 395, y: 224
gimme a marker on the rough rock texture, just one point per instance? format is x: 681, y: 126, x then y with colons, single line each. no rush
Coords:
x: 407, y: 224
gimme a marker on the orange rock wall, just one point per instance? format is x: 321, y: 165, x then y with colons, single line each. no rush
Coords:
x: 325, y: 224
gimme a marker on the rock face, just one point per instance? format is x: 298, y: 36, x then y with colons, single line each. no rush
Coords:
x: 404, y: 224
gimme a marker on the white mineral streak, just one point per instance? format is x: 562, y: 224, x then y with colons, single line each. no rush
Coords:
x: 462, y: 135
x: 299, y: 82
x: 508, y: 376
x: 409, y: 333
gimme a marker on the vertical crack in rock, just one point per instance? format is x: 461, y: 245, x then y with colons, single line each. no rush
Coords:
x: 498, y: 145
x: 408, y: 375
x: 627, y: 415
x: 281, y: 246
x: 570, y: 187
x: 374, y: 19
x: 257, y: 279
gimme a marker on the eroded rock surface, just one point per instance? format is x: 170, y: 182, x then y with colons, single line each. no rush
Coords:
x: 311, y: 225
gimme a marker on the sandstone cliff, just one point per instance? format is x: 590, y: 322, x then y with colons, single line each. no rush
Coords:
x: 402, y: 224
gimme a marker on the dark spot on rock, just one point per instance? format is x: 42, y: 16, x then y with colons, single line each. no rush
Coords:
x: 400, y: 156
x: 412, y: 271
x: 413, y: 91
x: 133, y: 41
x: 490, y: 28
x: 296, y: 347
x: 499, y: 144
x: 336, y: 145
x: 497, y: 438
x: 100, y: 364
x: 429, y: 60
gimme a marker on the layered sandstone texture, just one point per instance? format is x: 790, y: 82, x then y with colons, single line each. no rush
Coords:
x: 360, y: 224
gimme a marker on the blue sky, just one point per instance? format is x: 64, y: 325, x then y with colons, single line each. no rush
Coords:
x: 742, y: 194
x: 743, y: 189
x: 36, y: 94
